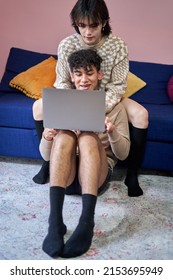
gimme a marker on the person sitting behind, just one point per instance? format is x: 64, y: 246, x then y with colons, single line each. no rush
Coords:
x: 81, y: 162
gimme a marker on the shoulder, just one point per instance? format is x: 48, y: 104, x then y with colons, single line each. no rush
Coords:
x: 71, y: 40
x: 116, y: 39
x: 116, y: 44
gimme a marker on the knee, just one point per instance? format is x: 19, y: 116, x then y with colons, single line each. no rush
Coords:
x: 140, y: 119
x: 64, y: 141
x: 88, y: 142
x: 37, y: 110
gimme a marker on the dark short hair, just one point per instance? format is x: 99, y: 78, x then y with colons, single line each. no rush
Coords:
x: 95, y: 10
x: 84, y: 58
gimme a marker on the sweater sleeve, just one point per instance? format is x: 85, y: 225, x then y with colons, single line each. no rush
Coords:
x: 63, y: 79
x: 45, y: 148
x: 116, y: 87
x: 119, y: 140
x: 116, y: 68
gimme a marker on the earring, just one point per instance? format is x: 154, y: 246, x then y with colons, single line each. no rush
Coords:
x: 103, y: 28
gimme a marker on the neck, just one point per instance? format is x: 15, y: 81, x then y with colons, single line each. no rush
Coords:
x: 102, y: 40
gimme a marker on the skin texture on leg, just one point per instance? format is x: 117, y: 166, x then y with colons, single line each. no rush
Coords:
x: 93, y: 168
x: 137, y: 114
x: 93, y: 165
x: 63, y: 168
x: 63, y: 159
x: 37, y: 110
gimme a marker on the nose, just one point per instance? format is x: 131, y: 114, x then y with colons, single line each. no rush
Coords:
x: 88, y: 30
x: 84, y: 78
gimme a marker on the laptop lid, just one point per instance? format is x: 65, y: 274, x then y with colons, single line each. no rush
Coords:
x: 73, y: 109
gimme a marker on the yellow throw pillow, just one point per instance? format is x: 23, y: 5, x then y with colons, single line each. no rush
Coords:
x: 35, y: 78
x: 134, y: 84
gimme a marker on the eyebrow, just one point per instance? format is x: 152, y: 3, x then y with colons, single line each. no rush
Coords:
x: 85, y: 69
x: 90, y: 24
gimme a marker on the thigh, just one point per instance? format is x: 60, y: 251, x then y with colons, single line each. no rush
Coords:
x: 136, y: 113
x: 38, y: 110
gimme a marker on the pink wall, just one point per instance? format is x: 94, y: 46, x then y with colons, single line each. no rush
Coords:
x: 39, y: 25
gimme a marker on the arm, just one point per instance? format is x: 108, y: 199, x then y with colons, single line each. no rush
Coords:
x: 115, y: 89
x: 115, y: 67
x: 46, y: 143
x: 63, y: 78
x: 118, y: 133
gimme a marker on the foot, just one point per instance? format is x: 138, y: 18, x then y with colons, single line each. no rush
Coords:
x: 134, y: 189
x: 53, y: 244
x: 43, y: 175
x: 80, y: 241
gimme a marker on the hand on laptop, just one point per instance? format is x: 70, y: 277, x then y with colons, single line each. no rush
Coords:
x: 109, y: 127
x: 49, y: 133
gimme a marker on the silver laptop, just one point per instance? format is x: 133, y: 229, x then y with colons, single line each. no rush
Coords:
x: 72, y: 109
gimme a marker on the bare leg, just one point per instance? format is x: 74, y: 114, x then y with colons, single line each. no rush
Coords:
x: 93, y: 169
x: 63, y: 159
x: 62, y: 172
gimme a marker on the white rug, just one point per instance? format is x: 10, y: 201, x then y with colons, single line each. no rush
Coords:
x: 125, y: 228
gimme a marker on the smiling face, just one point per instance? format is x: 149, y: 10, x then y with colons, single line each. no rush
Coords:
x: 91, y: 32
x: 86, y: 79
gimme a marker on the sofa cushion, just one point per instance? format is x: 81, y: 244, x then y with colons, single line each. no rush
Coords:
x: 134, y: 84
x: 170, y: 89
x: 156, y: 76
x: 16, y: 111
x: 20, y: 60
x: 31, y: 81
x: 160, y: 123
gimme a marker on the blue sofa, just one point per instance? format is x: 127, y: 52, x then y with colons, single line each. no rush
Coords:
x: 18, y: 137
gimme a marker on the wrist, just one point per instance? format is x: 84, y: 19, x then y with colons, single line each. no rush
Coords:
x: 47, y: 138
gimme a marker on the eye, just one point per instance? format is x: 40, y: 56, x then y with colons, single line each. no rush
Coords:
x: 90, y: 73
x: 78, y: 74
x: 94, y: 25
x: 81, y: 25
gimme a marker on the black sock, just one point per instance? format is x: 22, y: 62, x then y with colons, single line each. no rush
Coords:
x: 54, y: 242
x: 81, y: 239
x: 138, y: 140
x: 132, y: 183
x: 43, y: 175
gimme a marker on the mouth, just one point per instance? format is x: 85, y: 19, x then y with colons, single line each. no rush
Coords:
x: 89, y: 38
x: 84, y: 87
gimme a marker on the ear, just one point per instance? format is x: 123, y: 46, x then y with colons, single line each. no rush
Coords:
x: 72, y: 77
x: 100, y: 75
x: 104, y: 23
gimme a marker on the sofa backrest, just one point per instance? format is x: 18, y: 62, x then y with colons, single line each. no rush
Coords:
x: 20, y: 60
x: 156, y: 76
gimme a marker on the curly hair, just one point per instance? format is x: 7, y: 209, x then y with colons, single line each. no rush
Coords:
x: 84, y: 58
x: 95, y: 10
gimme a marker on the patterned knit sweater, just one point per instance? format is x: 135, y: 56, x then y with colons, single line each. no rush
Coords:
x: 115, y: 65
